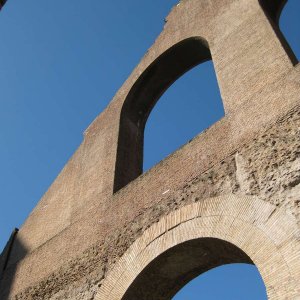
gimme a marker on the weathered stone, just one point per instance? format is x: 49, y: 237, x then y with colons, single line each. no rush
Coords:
x: 232, y: 192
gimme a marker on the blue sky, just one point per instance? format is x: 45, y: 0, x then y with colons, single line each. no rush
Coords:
x: 61, y: 63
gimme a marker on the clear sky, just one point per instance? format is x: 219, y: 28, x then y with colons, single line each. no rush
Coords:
x: 61, y: 63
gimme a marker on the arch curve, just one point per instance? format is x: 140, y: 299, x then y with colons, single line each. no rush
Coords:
x: 242, y: 227
x: 142, y: 97
x: 173, y: 269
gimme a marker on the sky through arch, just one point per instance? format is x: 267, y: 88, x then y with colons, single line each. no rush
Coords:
x: 228, y: 282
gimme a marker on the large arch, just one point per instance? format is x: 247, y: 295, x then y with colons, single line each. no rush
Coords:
x: 142, y: 97
x: 174, y: 268
x: 223, y: 230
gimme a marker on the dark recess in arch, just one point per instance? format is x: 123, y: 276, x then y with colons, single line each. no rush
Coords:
x: 273, y: 10
x: 144, y: 94
x: 2, y: 2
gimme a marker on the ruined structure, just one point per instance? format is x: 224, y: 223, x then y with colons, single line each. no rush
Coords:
x: 104, y: 231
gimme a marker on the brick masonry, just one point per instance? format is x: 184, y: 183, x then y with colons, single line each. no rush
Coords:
x: 242, y: 174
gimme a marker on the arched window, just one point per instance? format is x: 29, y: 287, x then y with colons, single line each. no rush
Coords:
x: 150, y: 86
x: 285, y: 27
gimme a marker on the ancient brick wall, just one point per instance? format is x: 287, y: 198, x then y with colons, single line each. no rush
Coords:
x: 90, y: 228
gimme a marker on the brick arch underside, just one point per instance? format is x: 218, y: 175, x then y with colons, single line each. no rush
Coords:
x: 203, y: 235
x: 170, y: 271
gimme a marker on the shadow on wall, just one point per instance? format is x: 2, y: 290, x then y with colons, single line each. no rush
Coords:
x: 273, y: 10
x: 7, y: 269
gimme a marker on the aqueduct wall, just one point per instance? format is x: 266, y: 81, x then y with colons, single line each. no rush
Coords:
x: 233, y: 187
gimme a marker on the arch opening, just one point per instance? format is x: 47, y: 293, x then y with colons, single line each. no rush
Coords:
x: 173, y: 269
x: 191, y: 105
x: 227, y: 282
x: 289, y: 24
x: 144, y: 94
x: 273, y: 10
x: 239, y: 229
